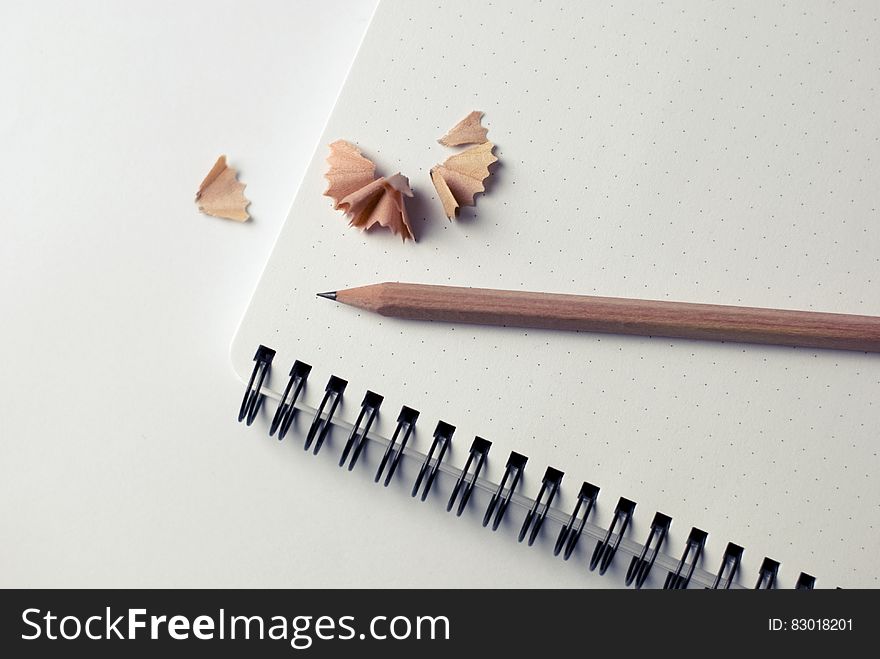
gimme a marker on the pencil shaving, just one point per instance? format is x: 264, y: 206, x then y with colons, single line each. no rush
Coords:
x: 381, y: 202
x: 367, y: 201
x: 221, y: 194
x: 467, y: 131
x: 349, y: 171
x: 462, y: 176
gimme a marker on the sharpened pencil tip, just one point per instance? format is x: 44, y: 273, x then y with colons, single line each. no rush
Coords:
x: 330, y: 296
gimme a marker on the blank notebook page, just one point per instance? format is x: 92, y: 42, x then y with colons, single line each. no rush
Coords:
x: 724, y: 152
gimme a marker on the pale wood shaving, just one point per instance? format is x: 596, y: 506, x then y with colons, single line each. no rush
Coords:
x: 467, y: 131
x: 461, y: 177
x: 450, y: 206
x: 221, y: 194
x: 367, y: 201
x: 349, y: 171
x: 381, y: 202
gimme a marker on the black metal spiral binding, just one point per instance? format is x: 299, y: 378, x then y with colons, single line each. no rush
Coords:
x: 321, y: 426
x: 569, y: 534
x: 516, y: 464
x: 640, y: 566
x: 729, y: 567
x: 767, y: 574
x: 805, y: 582
x: 442, y: 439
x: 534, y: 519
x: 605, y: 549
x: 479, y: 451
x: 604, y: 552
x: 253, y: 396
x: 299, y: 372
x: 406, y: 422
x: 693, y: 549
x: 355, y: 444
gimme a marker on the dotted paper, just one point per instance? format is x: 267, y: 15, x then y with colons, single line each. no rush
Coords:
x: 721, y: 152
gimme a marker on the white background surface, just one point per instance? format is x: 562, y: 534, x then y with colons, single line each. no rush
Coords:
x: 120, y: 460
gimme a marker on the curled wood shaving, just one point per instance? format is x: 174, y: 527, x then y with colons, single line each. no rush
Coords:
x: 461, y: 177
x: 381, y: 202
x: 368, y: 201
x: 349, y: 171
x: 221, y: 194
x: 467, y: 131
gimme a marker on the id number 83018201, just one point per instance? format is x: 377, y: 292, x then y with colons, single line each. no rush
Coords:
x: 810, y: 624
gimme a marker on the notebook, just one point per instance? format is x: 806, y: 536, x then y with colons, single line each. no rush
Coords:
x: 723, y: 153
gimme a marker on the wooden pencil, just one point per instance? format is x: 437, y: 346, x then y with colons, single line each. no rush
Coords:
x: 616, y: 315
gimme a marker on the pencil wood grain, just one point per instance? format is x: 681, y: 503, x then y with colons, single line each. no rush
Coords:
x: 556, y: 311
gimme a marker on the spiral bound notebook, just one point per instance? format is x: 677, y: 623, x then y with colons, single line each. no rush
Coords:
x: 720, y: 153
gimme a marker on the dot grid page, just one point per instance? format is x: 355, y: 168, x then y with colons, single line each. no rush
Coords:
x: 718, y: 152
